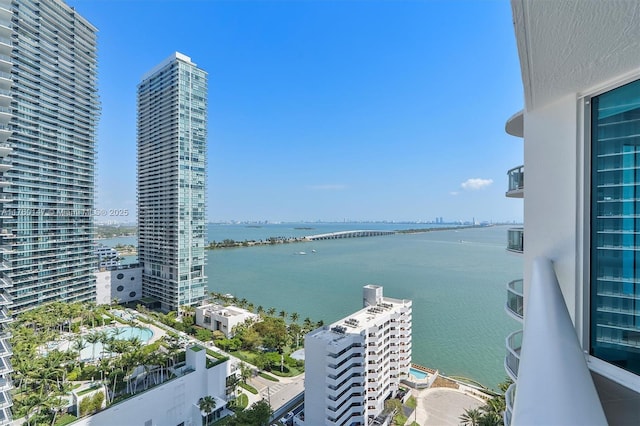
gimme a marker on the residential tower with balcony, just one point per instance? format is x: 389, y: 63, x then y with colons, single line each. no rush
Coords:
x: 577, y: 359
x: 353, y: 365
x: 172, y: 160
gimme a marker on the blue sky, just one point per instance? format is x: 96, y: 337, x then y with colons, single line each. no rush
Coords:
x: 325, y: 110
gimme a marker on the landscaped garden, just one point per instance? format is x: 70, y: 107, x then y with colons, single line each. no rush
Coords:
x: 81, y: 356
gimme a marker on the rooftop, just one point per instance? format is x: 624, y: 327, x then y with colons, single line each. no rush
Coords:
x: 358, y: 322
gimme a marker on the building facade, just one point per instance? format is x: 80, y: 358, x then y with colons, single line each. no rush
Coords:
x: 174, y: 402
x: 353, y: 365
x: 118, y: 284
x: 578, y: 355
x: 216, y: 317
x: 172, y: 148
x: 48, y: 116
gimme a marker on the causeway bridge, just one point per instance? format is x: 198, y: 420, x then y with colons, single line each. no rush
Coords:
x: 348, y: 234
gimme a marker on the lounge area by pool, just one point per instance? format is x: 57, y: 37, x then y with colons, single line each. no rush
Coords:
x: 92, y: 351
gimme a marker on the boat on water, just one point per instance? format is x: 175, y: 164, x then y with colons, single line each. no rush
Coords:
x: 301, y: 253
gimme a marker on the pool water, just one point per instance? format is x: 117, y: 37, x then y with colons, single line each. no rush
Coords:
x: 126, y: 333
x: 418, y: 374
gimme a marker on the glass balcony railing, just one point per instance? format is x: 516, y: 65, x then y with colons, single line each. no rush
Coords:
x: 509, y: 398
x: 516, y: 182
x: 512, y: 360
x: 515, y: 300
x: 515, y: 240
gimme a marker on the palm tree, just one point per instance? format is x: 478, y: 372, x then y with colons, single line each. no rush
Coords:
x: 271, y: 311
x: 283, y: 314
x: 245, y: 372
x: 470, y: 417
x: 78, y: 345
x: 294, y: 316
x: 307, y: 324
x: 207, y: 404
x: 93, y: 338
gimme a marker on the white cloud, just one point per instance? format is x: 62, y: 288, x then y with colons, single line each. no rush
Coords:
x: 474, y: 184
x: 328, y: 187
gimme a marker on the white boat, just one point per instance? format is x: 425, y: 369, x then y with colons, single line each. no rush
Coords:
x: 301, y: 253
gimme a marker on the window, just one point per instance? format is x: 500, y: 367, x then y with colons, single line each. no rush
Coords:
x: 615, y: 227
x: 120, y: 288
x: 120, y: 276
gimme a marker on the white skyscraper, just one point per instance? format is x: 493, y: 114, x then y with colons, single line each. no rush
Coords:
x: 353, y: 365
x: 172, y: 148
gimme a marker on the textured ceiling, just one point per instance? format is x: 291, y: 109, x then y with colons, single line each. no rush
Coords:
x: 567, y: 46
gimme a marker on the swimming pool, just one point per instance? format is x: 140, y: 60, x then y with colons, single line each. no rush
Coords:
x: 418, y: 374
x: 126, y: 333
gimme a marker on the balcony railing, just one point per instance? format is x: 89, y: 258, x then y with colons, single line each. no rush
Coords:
x: 509, y: 397
x: 515, y: 240
x: 516, y: 182
x: 512, y: 360
x: 515, y: 300
x: 554, y: 383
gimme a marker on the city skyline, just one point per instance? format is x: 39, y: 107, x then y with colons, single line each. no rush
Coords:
x: 325, y: 110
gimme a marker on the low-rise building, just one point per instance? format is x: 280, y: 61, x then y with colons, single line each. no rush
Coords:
x: 353, y: 365
x: 121, y: 283
x: 222, y: 318
x: 174, y: 402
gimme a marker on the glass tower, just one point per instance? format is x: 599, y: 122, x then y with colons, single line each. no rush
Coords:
x: 48, y: 116
x: 172, y: 145
x: 615, y: 233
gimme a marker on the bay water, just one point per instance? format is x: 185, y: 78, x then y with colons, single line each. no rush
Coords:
x: 456, y: 278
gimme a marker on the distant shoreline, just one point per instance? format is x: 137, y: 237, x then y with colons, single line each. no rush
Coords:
x: 228, y: 243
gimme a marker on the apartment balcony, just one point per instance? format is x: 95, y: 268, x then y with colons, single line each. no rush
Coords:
x: 5, y: 366
x: 512, y: 359
x: 509, y: 397
x: 554, y: 385
x: 5, y: 400
x: 5, y: 150
x: 4, y: 133
x: 515, y: 300
x: 5, y: 385
x: 516, y: 182
x: 515, y: 124
x: 515, y: 240
x: 4, y: 167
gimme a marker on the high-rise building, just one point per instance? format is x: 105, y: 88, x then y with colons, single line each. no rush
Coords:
x: 353, y: 365
x: 172, y: 148
x: 48, y: 116
x: 577, y: 359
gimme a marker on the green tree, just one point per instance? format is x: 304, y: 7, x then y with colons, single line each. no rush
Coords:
x: 207, y: 404
x: 203, y: 334
x: 256, y: 415
x: 470, y: 417
x: 294, y: 316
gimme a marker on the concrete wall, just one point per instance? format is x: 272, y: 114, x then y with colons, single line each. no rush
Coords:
x: 550, y: 202
x: 124, y: 284
x: 170, y: 404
